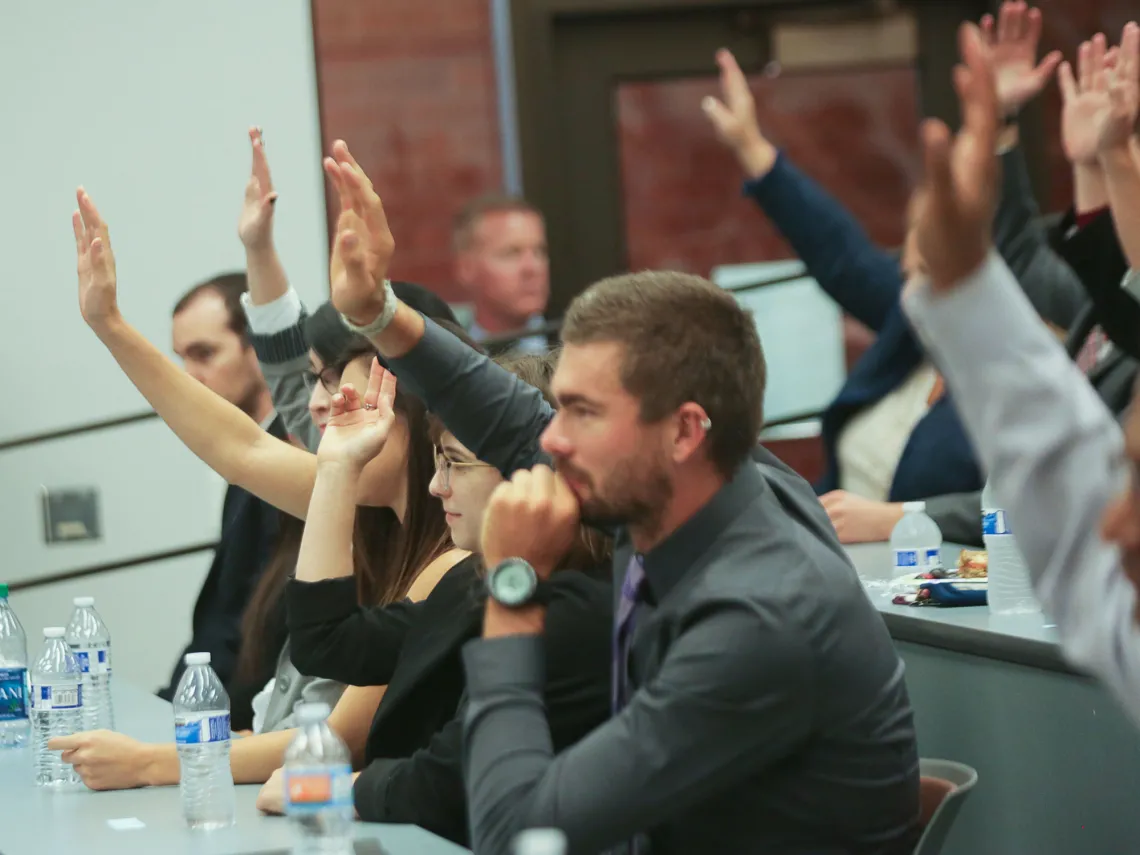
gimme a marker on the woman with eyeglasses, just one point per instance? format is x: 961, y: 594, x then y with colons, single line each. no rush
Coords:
x: 400, y: 543
x: 413, y: 772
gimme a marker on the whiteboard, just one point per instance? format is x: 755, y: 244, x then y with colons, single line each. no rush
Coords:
x: 146, y: 104
x: 801, y: 331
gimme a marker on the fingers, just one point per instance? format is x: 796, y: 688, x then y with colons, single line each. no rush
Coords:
x: 987, y: 27
x: 718, y: 113
x: 375, y: 381
x: 80, y: 233
x: 260, y: 166
x: 387, y: 391
x: 1128, y: 66
x: 733, y: 83
x: 332, y: 172
x: 1007, y: 22
x: 1047, y: 67
x: 1066, y: 82
x: 65, y: 743
x: 1032, y: 26
x: 350, y: 398
x: 1097, y: 50
x: 976, y: 87
x: 92, y: 221
x: 1084, y: 66
x: 336, y: 405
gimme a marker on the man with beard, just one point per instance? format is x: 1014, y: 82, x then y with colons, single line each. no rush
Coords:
x: 759, y: 704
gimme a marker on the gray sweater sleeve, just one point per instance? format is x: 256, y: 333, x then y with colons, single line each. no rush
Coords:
x: 1054, y: 454
x: 284, y: 360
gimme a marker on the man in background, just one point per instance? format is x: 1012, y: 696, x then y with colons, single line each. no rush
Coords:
x: 211, y: 338
x: 501, y: 264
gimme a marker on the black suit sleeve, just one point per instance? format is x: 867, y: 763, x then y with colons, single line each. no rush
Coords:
x: 334, y: 637
x: 427, y: 788
x: 1094, y: 252
x: 959, y: 517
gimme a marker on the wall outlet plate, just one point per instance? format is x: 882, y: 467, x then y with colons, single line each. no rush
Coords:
x: 71, y: 515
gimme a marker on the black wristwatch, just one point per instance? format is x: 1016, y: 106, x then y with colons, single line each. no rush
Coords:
x: 514, y: 583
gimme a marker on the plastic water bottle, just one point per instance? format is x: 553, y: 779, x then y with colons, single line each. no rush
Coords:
x: 318, y: 783
x: 13, y: 677
x: 1009, y: 590
x: 202, y: 732
x: 57, y: 707
x: 540, y: 841
x: 916, y: 542
x: 89, y: 640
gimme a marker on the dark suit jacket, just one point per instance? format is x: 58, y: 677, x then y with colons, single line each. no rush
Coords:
x: 866, y: 282
x: 414, y: 752
x: 249, y: 532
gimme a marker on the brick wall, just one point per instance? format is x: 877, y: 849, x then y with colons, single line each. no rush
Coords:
x: 410, y: 85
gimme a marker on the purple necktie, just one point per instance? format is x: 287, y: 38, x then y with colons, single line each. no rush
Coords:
x: 631, y: 590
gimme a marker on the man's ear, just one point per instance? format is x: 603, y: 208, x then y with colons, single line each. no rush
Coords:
x: 690, y: 434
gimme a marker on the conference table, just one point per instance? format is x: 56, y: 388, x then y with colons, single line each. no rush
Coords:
x: 36, y: 821
x: 1058, y: 760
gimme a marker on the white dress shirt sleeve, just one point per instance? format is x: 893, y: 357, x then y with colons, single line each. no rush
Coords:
x: 274, y: 316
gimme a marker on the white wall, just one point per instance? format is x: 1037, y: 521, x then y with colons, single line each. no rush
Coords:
x: 146, y: 104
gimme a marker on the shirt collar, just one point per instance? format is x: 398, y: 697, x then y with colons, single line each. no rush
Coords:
x: 668, y: 562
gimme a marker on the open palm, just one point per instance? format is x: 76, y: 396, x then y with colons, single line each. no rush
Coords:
x: 255, y: 226
x: 359, y: 426
x: 95, y: 263
x: 1013, y: 40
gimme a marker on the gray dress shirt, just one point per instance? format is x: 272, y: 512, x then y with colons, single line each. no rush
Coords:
x: 1054, y: 454
x: 769, y: 715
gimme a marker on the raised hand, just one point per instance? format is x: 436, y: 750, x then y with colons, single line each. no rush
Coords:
x: 959, y: 192
x: 1013, y: 48
x: 1084, y: 100
x: 734, y: 118
x: 98, y: 298
x: 1116, y: 122
x: 358, y: 427
x: 255, y: 227
x: 363, y: 245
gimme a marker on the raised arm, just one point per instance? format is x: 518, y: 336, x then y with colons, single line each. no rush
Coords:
x: 1116, y: 141
x: 273, y: 309
x: 492, y: 412
x: 863, y: 279
x: 230, y: 442
x: 1049, y: 444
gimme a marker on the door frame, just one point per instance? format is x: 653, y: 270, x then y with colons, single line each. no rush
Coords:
x: 546, y: 167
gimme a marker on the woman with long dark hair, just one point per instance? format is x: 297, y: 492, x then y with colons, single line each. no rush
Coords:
x: 406, y: 537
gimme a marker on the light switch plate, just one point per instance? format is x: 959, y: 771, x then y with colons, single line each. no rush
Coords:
x: 71, y: 515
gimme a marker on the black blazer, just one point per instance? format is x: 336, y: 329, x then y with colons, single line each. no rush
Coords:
x: 413, y: 771
x: 249, y: 533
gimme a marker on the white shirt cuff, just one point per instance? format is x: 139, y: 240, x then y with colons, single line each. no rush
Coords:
x: 274, y: 316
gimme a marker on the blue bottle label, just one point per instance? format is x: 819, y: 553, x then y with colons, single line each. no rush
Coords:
x: 310, y: 789
x: 13, y: 694
x: 918, y: 560
x: 201, y: 728
x: 994, y: 522
x: 56, y: 696
x: 93, y: 660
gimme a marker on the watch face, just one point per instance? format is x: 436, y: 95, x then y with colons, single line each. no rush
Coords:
x: 513, y: 583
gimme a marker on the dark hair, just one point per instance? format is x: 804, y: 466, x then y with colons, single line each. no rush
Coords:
x: 684, y: 340
x: 466, y: 221
x: 386, y: 555
x: 228, y: 286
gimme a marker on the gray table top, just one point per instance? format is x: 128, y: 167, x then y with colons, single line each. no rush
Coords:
x: 40, y: 821
x: 1024, y: 639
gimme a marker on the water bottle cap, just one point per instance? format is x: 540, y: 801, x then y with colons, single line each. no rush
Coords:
x: 3, y: 590
x: 197, y: 658
x: 914, y: 507
x: 312, y: 712
x: 540, y: 841
x: 83, y: 602
x: 53, y: 632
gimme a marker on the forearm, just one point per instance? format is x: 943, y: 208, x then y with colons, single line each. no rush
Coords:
x: 1090, y: 193
x: 161, y: 767
x: 326, y: 545
x: 1053, y: 453
x: 265, y: 274
x: 1123, y: 179
x: 254, y: 759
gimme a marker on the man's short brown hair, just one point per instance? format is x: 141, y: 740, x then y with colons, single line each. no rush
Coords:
x: 685, y: 340
x: 467, y: 220
x: 228, y: 286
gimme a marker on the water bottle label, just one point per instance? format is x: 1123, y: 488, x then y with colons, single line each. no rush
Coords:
x: 57, y: 696
x: 310, y: 789
x: 95, y: 661
x: 918, y: 560
x: 994, y: 522
x: 201, y: 728
x: 13, y: 700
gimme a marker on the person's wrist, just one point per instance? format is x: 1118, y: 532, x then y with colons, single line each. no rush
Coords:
x: 369, y: 310
x: 259, y: 248
x: 757, y: 157
x: 1116, y: 155
x: 500, y: 621
x: 340, y: 466
x: 108, y: 323
x: 150, y: 766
